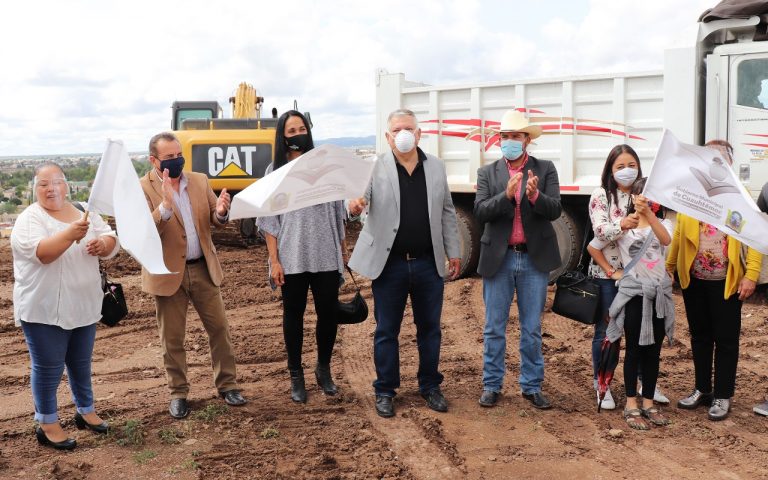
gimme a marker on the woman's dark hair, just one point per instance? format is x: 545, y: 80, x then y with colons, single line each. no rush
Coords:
x: 281, y: 149
x: 606, y: 179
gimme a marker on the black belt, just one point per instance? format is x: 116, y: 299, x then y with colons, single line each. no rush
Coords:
x: 195, y: 260
x: 519, y: 247
x: 410, y: 256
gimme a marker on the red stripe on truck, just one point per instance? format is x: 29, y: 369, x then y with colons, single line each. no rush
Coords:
x: 569, y: 188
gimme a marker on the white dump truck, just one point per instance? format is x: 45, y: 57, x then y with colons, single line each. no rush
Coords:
x: 716, y: 89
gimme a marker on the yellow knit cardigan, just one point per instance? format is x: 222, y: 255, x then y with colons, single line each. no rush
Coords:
x: 685, y: 245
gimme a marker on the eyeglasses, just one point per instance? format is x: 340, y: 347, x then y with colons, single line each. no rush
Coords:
x: 56, y: 182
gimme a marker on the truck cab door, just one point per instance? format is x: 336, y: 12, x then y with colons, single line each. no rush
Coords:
x: 747, y: 119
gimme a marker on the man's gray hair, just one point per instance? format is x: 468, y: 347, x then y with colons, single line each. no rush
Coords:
x: 402, y: 112
x: 167, y: 136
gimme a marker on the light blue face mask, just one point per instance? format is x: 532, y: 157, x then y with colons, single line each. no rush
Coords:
x: 512, y: 149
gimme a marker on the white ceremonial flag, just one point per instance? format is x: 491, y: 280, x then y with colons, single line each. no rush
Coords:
x: 324, y: 174
x: 116, y: 192
x: 698, y: 182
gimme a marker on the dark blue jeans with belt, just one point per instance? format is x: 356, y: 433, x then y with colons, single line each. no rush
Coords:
x: 399, y: 279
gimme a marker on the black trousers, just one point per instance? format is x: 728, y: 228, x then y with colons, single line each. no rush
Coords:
x: 715, y: 325
x: 636, y: 356
x: 325, y: 291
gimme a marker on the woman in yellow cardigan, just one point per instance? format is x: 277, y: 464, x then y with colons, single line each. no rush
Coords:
x: 714, y: 282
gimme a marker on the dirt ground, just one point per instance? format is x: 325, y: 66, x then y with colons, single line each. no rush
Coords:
x: 341, y: 437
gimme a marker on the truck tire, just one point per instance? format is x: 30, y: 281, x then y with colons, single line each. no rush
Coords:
x: 469, y: 240
x: 569, y: 237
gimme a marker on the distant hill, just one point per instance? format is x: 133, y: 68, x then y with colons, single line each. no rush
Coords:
x: 349, y: 141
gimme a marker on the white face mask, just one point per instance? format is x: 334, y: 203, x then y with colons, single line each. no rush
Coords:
x: 405, y: 141
x: 626, y: 176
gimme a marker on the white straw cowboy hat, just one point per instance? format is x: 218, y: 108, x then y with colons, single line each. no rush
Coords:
x: 515, y: 121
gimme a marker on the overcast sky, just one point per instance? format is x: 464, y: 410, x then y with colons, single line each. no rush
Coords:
x: 77, y: 72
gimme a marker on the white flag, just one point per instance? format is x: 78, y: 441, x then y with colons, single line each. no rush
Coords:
x: 698, y: 182
x: 324, y: 174
x: 116, y: 192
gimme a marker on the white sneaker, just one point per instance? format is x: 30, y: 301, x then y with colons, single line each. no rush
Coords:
x: 608, y: 402
x: 658, y: 397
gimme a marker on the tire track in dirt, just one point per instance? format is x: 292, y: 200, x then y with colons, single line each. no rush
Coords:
x: 424, y: 459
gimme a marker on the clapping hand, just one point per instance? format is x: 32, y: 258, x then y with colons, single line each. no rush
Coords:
x: 512, y: 185
x: 532, y: 186
x: 222, y: 203
x: 167, y: 188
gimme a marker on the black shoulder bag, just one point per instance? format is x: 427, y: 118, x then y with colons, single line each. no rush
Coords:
x: 113, y: 307
x: 578, y: 295
x: 355, y: 311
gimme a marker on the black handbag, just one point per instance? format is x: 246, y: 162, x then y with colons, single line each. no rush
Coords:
x: 113, y: 307
x: 578, y: 295
x: 355, y: 311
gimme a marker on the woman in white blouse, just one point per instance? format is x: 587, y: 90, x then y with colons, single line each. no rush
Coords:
x: 57, y: 300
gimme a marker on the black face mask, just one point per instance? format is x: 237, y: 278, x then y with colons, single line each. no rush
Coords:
x: 299, y: 143
x: 174, y: 166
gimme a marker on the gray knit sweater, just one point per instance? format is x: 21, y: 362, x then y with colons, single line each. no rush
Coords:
x: 661, y: 293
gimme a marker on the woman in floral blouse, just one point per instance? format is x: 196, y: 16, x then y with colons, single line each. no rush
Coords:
x: 714, y: 282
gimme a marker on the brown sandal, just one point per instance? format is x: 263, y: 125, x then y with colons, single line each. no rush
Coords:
x: 653, y: 414
x: 634, y: 418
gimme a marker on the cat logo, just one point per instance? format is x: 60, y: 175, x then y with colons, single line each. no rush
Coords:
x: 231, y: 161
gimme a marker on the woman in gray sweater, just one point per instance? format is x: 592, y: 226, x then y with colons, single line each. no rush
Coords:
x: 306, y: 250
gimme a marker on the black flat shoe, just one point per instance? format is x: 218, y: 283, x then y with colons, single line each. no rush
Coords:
x: 179, y: 408
x: 68, y: 444
x: 233, y: 398
x: 81, y: 424
x: 384, y: 406
x: 538, y: 400
x: 435, y: 400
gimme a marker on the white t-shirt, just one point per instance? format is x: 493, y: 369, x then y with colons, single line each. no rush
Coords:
x: 66, y: 292
x: 651, y: 266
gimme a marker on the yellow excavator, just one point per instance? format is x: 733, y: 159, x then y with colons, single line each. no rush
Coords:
x: 232, y: 152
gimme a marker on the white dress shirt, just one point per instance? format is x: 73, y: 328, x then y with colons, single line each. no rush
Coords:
x: 66, y: 292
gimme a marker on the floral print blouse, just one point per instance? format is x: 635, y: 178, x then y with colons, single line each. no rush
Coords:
x: 607, y: 226
x: 711, y: 261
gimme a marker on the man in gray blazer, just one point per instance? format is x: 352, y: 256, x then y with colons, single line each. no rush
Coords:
x: 517, y: 198
x: 410, y: 229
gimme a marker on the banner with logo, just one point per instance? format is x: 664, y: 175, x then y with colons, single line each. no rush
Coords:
x: 324, y: 174
x: 117, y: 192
x: 698, y: 182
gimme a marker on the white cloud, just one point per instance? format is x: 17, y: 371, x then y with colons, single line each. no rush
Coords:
x: 75, y: 73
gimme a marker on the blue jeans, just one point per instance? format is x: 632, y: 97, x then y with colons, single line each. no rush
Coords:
x: 516, y: 273
x: 400, y: 278
x: 608, y: 291
x: 51, y: 348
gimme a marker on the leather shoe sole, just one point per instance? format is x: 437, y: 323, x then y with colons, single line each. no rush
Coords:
x: 179, y: 408
x: 538, y: 400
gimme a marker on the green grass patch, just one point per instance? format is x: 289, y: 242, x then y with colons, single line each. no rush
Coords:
x: 190, y: 464
x: 270, y: 432
x: 210, y: 412
x: 144, y: 456
x: 131, y: 434
x: 170, y: 436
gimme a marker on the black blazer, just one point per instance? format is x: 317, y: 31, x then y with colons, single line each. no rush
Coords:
x: 495, y: 211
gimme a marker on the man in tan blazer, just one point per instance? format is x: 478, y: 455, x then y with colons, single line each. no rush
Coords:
x: 184, y: 207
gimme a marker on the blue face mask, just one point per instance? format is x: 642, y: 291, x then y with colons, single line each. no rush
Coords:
x: 174, y: 166
x: 512, y: 149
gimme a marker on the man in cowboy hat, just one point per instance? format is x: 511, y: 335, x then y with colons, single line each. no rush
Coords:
x: 517, y: 198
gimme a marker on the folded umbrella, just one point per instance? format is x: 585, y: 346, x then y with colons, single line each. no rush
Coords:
x: 609, y: 359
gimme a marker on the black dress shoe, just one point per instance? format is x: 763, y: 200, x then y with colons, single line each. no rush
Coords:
x: 324, y: 379
x: 81, y: 423
x: 68, y: 444
x: 436, y: 400
x: 179, y: 408
x: 384, y: 406
x: 233, y: 398
x: 298, y: 390
x: 538, y: 400
x: 488, y: 398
